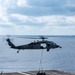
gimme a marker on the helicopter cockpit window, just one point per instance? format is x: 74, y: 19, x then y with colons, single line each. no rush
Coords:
x: 54, y: 43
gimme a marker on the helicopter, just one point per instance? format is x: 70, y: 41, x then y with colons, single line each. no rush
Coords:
x: 34, y: 45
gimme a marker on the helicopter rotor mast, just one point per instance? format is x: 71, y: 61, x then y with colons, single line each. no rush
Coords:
x: 42, y: 37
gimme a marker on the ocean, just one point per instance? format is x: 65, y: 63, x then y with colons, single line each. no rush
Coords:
x: 29, y: 60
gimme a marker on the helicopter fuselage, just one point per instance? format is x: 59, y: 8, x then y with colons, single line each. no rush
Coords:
x: 35, y: 45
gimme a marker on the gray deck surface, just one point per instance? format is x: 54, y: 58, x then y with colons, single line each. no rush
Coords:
x: 48, y: 72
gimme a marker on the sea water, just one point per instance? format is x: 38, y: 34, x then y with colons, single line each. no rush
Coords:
x: 29, y: 60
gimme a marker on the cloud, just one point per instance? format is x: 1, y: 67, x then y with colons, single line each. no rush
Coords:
x: 42, y: 20
x: 38, y: 11
x: 22, y: 3
x: 47, y: 3
x: 3, y: 14
x: 44, y: 8
x: 39, y: 8
x: 37, y: 17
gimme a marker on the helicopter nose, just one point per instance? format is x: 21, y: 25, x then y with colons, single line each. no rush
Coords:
x: 59, y: 46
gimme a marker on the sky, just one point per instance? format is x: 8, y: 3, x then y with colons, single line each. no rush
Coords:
x: 37, y: 17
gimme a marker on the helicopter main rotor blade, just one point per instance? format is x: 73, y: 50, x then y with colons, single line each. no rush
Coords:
x: 32, y: 37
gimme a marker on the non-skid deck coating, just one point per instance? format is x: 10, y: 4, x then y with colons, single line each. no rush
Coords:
x: 48, y: 72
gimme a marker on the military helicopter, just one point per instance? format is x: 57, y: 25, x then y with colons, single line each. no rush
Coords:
x: 34, y: 45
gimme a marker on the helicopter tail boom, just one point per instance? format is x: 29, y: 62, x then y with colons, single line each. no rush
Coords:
x: 10, y: 43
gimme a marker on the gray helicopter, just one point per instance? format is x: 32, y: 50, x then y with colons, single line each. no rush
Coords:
x: 34, y: 45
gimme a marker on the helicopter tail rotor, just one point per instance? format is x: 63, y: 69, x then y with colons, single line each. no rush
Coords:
x: 7, y: 38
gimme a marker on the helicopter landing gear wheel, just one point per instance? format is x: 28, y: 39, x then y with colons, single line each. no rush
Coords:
x: 18, y: 51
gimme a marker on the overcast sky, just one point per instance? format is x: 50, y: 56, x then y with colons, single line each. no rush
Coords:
x: 37, y: 17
